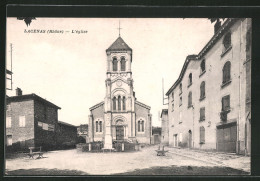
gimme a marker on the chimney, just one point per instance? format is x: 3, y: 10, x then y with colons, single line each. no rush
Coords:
x: 217, y: 26
x: 19, y: 91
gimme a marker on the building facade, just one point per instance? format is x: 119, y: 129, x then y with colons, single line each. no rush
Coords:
x: 30, y: 122
x: 165, y: 127
x: 66, y: 135
x: 210, y: 103
x: 120, y: 116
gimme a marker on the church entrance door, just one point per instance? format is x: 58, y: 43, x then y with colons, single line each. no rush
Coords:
x: 119, y: 132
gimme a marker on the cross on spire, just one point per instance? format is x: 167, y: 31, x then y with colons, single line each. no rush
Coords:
x: 119, y: 28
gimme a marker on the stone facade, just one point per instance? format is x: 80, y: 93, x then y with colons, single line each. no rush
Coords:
x: 197, y: 117
x: 120, y: 116
x: 165, y: 127
x: 32, y: 121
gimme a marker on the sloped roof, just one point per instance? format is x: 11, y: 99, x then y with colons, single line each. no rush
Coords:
x: 119, y: 44
x: 30, y: 96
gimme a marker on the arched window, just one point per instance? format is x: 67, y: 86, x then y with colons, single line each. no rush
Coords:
x: 180, y: 87
x: 227, y: 41
x: 190, y: 78
x: 96, y: 126
x: 119, y: 103
x: 138, y: 126
x: 122, y: 64
x: 142, y: 126
x: 226, y: 72
x: 202, y: 66
x: 114, y: 103
x: 190, y: 99
x: 202, y: 135
x: 124, y: 103
x: 100, y: 126
x: 202, y: 90
x: 114, y: 64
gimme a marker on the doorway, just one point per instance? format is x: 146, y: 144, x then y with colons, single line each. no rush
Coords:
x: 190, y: 139
x: 119, y: 132
x: 175, y: 140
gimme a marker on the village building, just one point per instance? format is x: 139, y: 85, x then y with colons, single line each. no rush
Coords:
x: 82, y: 133
x: 66, y: 135
x: 210, y: 103
x: 32, y: 121
x: 156, y: 135
x: 120, y: 117
x: 165, y: 127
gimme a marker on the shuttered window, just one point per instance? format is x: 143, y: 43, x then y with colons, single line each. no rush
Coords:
x: 226, y: 72
x: 190, y: 99
x: 21, y: 121
x: 8, y: 122
x: 202, y: 114
x: 202, y: 90
x: 202, y: 134
x: 226, y: 103
x: 202, y: 66
x: 227, y: 41
x: 190, y: 79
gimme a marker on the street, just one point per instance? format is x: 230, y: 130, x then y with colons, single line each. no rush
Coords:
x: 143, y: 162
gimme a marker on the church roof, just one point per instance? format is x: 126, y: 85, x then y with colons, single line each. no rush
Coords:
x: 119, y: 44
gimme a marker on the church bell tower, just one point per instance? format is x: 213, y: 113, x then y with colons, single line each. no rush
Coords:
x: 119, y: 99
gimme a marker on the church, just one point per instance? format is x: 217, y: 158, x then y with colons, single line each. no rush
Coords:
x: 120, y: 117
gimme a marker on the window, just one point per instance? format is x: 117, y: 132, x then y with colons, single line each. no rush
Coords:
x: 226, y: 103
x: 119, y: 103
x: 142, y: 126
x: 180, y: 137
x: 21, y: 121
x: 172, y: 106
x: 96, y: 126
x: 45, y: 126
x: 8, y: 122
x: 123, y: 64
x: 180, y: 87
x: 180, y: 103
x: 100, y: 126
x: 202, y: 114
x: 227, y: 41
x: 172, y: 96
x: 202, y: 66
x: 190, y: 99
x: 114, y: 103
x: 202, y: 90
x: 226, y: 72
x: 190, y: 79
x: 180, y: 117
x: 40, y: 124
x: 9, y: 140
x: 114, y: 64
x: 124, y: 108
x: 138, y: 126
x: 202, y: 135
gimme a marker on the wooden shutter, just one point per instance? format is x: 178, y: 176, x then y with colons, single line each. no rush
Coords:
x: 202, y: 134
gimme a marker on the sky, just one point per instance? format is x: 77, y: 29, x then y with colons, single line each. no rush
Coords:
x: 69, y: 69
